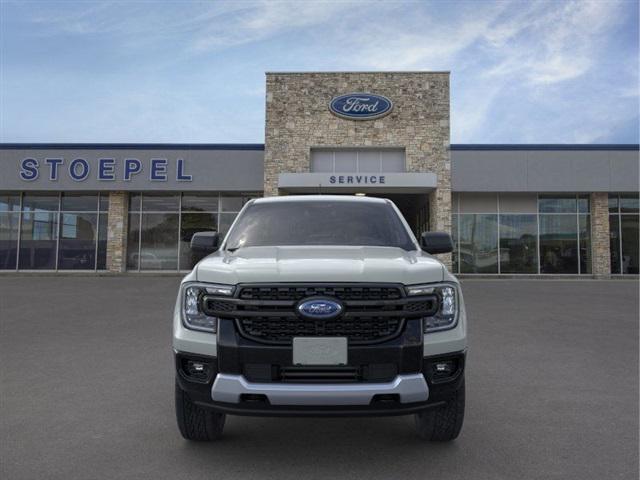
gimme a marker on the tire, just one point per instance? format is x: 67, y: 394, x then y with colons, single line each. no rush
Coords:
x: 444, y: 423
x: 195, y: 422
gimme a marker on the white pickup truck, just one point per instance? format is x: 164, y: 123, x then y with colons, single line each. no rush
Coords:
x: 320, y: 306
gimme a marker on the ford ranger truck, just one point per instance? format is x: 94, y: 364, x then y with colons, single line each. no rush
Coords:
x: 320, y: 306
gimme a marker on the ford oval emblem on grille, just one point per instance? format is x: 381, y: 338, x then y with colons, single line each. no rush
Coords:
x: 319, y: 308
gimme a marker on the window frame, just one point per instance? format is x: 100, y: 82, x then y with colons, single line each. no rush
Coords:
x: 357, y: 151
x: 618, y: 214
x: 59, y: 212
x: 140, y: 212
x: 577, y: 214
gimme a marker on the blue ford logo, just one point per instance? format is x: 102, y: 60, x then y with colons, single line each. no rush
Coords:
x: 360, y: 106
x: 319, y: 308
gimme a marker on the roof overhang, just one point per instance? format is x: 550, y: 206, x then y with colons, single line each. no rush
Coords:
x: 357, y: 182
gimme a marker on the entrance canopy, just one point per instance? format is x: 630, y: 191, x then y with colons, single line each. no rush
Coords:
x: 335, y: 182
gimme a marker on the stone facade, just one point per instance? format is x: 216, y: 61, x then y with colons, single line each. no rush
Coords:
x: 440, y: 217
x: 298, y: 119
x: 600, y: 248
x: 117, y: 231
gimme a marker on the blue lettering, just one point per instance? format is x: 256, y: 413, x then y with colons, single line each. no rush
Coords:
x: 53, y: 167
x: 106, y: 169
x: 341, y: 179
x: 359, y: 178
x: 29, y: 169
x: 132, y: 166
x: 332, y: 179
x: 373, y: 179
x: 84, y: 169
x: 180, y: 175
x: 382, y: 179
x: 349, y: 179
x: 158, y: 169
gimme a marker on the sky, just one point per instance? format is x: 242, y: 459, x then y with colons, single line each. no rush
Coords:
x: 193, y: 72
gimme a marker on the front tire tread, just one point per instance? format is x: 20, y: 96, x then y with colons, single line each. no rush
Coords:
x: 195, y: 422
x: 443, y: 424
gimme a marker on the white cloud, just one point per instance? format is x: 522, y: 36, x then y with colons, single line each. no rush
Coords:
x: 255, y: 21
x: 545, y: 43
x: 521, y: 71
x: 419, y: 39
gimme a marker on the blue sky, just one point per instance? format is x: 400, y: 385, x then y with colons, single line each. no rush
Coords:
x: 177, y: 71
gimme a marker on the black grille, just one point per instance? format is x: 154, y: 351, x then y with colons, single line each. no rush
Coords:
x: 343, y: 293
x: 220, y: 305
x: 372, y: 372
x: 372, y: 313
x: 320, y: 374
x: 419, y: 306
x: 283, y: 329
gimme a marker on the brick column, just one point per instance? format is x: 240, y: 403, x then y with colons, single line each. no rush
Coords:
x: 600, y: 251
x: 117, y: 232
x: 440, y: 217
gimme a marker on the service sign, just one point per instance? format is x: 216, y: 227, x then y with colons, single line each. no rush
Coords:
x: 360, y: 106
x: 391, y: 182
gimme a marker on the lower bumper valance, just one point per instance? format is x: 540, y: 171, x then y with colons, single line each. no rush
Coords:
x: 410, y: 388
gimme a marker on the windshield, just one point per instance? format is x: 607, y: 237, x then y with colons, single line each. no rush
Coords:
x: 319, y: 223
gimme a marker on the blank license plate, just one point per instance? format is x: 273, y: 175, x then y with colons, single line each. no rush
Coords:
x: 320, y: 351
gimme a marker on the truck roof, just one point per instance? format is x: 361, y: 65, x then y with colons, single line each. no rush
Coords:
x: 320, y: 198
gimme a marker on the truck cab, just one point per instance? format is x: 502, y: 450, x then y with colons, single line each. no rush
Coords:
x: 320, y: 305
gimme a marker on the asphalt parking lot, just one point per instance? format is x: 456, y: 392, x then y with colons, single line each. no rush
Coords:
x: 87, y: 391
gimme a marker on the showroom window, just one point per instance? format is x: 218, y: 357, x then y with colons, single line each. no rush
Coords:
x: 623, y: 233
x: 161, y: 226
x: 478, y: 243
x: 521, y: 233
x: 9, y: 230
x: 565, y: 240
x: 364, y: 160
x: 476, y: 233
x: 518, y: 243
x: 53, y: 231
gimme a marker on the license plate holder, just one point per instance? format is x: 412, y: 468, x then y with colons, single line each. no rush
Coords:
x: 320, y: 351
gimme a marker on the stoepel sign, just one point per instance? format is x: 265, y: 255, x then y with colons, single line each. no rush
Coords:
x: 105, y: 169
x: 360, y: 106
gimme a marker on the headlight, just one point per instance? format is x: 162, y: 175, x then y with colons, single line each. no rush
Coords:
x: 447, y: 315
x: 192, y: 315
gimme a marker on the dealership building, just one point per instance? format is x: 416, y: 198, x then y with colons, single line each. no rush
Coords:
x: 511, y: 209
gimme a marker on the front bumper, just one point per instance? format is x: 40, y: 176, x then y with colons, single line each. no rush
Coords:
x: 406, y: 394
x: 405, y: 388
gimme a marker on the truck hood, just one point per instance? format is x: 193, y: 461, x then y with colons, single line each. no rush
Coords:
x: 320, y: 264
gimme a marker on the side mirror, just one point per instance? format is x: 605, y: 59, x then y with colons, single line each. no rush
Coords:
x: 204, y: 242
x: 436, y: 242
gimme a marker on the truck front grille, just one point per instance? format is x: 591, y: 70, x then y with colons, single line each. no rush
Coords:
x: 372, y: 313
x: 341, y: 292
x: 283, y: 329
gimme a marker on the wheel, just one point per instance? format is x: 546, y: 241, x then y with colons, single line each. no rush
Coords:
x: 195, y: 422
x: 444, y: 423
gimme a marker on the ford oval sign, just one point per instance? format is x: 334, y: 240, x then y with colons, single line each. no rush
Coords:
x: 319, y: 308
x: 360, y: 106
